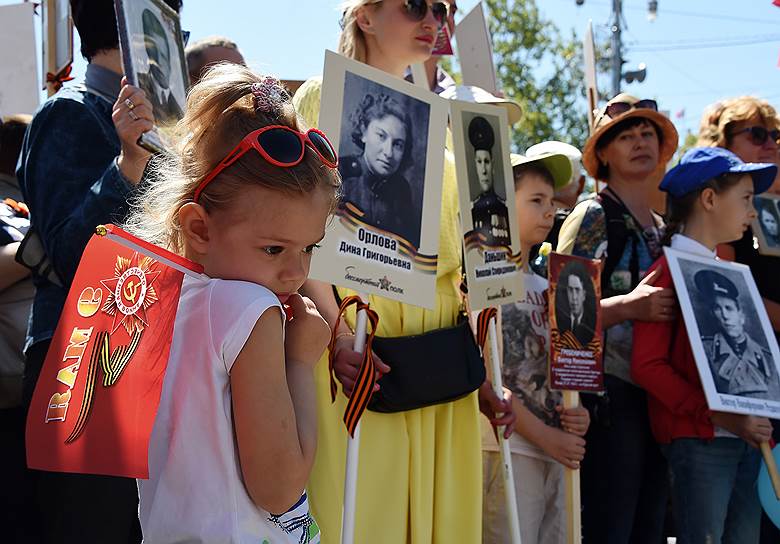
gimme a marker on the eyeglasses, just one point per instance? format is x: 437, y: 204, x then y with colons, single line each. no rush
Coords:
x: 417, y: 10
x: 618, y: 108
x: 278, y: 145
x: 759, y: 135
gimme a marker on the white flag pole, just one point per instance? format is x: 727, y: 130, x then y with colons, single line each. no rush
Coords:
x: 353, y: 446
x: 506, y: 456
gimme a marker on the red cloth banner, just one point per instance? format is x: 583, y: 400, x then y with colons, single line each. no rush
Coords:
x: 98, y: 391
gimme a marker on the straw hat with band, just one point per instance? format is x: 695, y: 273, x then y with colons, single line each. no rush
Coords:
x: 557, y: 164
x: 471, y: 93
x: 604, y: 123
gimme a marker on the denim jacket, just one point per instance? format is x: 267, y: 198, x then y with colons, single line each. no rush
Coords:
x: 69, y: 178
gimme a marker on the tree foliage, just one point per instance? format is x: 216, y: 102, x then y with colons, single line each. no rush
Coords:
x: 541, y: 70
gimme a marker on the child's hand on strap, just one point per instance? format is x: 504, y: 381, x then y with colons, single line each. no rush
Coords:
x: 566, y: 448
x: 574, y: 420
x: 752, y: 429
x: 307, y: 333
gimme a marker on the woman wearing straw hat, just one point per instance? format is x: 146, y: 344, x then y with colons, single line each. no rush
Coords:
x: 624, y: 475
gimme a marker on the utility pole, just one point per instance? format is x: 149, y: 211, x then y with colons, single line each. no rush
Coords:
x: 617, y: 56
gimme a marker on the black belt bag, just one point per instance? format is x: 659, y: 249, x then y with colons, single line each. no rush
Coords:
x: 432, y: 368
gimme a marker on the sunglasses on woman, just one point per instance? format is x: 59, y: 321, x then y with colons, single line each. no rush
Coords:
x: 417, y: 10
x: 759, y: 135
x: 618, y: 108
x: 279, y: 145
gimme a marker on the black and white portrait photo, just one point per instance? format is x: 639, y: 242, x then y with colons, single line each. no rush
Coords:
x: 391, y: 139
x: 153, y: 55
x: 382, y: 156
x: 729, y: 330
x: 489, y: 212
x: 766, y: 225
x: 575, y: 303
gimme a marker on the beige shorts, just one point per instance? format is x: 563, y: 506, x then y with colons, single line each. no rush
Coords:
x: 541, y: 496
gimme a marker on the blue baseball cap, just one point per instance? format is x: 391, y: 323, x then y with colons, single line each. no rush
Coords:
x: 701, y: 164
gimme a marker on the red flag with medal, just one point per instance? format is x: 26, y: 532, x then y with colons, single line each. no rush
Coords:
x: 98, y: 391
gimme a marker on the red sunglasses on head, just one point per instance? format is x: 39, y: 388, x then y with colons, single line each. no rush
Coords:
x: 279, y: 145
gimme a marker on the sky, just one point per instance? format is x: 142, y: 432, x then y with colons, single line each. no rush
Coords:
x: 288, y: 39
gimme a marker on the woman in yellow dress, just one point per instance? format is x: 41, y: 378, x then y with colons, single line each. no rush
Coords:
x: 419, y: 478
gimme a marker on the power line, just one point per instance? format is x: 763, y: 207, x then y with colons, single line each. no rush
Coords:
x: 721, y: 17
x: 699, y: 44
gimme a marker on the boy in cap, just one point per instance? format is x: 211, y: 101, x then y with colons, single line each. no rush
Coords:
x: 547, y: 438
x: 712, y: 455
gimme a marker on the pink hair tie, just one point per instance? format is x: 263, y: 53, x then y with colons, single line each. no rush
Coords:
x: 269, y: 95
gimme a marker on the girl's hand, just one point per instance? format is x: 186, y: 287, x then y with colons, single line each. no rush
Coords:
x: 307, y: 334
x: 574, y: 420
x: 649, y: 303
x: 132, y: 116
x: 566, y: 448
x: 752, y: 429
x: 498, y: 410
x: 346, y: 363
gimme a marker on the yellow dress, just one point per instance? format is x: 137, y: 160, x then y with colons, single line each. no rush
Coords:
x: 420, y: 472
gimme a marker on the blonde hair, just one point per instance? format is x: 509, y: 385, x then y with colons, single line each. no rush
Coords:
x: 220, y: 112
x: 719, y: 118
x: 352, y: 41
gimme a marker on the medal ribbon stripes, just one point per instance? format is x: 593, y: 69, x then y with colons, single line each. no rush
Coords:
x: 483, y: 325
x: 476, y: 240
x: 366, y: 377
x: 99, y: 388
x: 350, y: 216
x: 567, y: 340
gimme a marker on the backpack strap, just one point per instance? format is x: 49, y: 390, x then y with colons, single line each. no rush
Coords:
x: 618, y: 236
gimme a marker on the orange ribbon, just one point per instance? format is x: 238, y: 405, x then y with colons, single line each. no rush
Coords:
x: 366, y: 377
x: 60, y: 77
x: 483, y: 325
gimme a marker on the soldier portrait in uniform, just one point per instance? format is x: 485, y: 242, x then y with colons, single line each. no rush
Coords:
x: 153, y: 46
x: 383, y: 132
x: 575, y: 303
x: 489, y: 213
x: 766, y: 225
x: 740, y: 365
x: 731, y: 337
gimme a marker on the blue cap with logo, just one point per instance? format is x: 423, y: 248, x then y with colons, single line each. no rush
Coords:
x: 700, y: 164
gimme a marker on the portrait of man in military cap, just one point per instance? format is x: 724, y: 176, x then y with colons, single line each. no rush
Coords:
x: 733, y: 343
x: 489, y: 213
x: 740, y: 365
x: 153, y: 50
x: 379, y: 178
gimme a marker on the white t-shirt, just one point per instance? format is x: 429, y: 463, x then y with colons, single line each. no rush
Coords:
x: 195, y: 492
x: 525, y: 331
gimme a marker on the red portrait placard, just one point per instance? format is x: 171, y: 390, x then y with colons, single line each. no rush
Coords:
x: 99, y: 388
x: 576, y: 343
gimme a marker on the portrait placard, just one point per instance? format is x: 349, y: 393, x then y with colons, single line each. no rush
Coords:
x: 766, y: 225
x: 731, y: 337
x: 57, y: 38
x: 18, y: 60
x: 390, y: 136
x: 480, y: 135
x: 152, y: 46
x: 576, y: 343
x: 475, y: 51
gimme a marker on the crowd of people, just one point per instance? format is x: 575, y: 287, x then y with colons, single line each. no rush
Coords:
x: 248, y: 446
